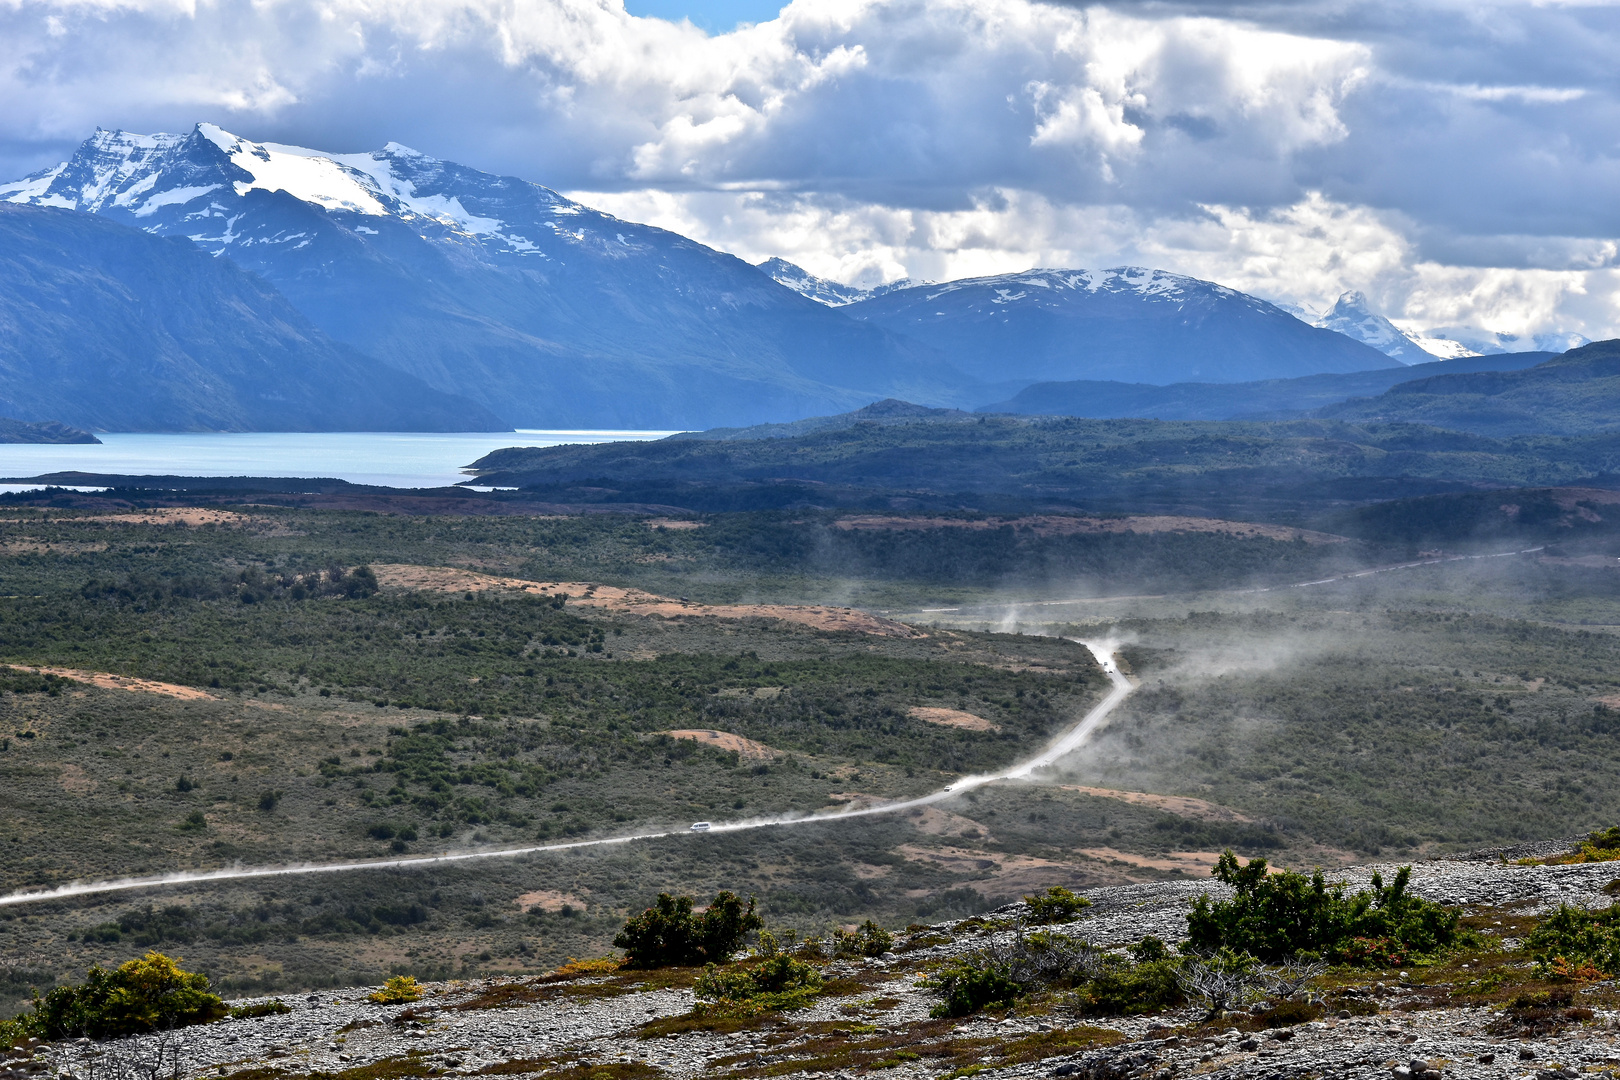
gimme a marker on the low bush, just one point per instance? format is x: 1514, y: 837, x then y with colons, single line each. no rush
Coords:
x: 398, y: 991
x: 1600, y: 846
x: 1149, y: 980
x: 262, y: 1008
x: 1000, y: 974
x: 670, y: 935
x: 1275, y: 916
x: 1056, y: 905
x: 971, y: 984
x: 869, y: 939
x: 1538, y: 1015
x: 777, y: 982
x: 145, y: 994
x: 1577, y: 945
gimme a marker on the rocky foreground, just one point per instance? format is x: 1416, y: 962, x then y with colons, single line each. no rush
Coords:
x: 1433, y: 1022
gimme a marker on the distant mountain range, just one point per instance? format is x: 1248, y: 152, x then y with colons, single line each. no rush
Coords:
x: 543, y: 311
x: 1352, y: 315
x: 514, y: 306
x: 1125, y: 323
x: 106, y: 327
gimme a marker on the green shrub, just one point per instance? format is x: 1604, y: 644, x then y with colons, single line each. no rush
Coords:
x: 966, y: 987
x: 263, y: 1008
x: 1056, y: 905
x: 1122, y: 987
x: 869, y: 939
x: 999, y: 974
x: 1579, y: 938
x: 670, y: 935
x: 140, y: 995
x: 1276, y: 916
x: 778, y: 982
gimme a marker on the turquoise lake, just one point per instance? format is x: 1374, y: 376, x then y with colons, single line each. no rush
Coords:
x: 394, y: 459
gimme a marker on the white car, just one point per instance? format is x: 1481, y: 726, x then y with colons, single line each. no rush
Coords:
x: 701, y: 826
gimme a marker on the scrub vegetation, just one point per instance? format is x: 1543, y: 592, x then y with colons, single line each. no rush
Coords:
x: 186, y: 697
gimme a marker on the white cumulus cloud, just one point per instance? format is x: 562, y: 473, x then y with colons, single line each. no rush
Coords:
x: 1455, y: 161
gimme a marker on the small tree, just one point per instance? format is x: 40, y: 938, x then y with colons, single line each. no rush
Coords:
x: 668, y: 934
x: 146, y: 994
x: 1056, y: 905
x: 399, y: 990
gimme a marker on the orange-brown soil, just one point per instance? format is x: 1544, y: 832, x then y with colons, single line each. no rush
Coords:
x: 636, y: 601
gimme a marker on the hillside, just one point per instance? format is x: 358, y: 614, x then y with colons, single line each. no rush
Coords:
x: 1265, y: 399
x: 105, y: 327
x: 1576, y: 393
x: 996, y: 463
x: 45, y: 431
x: 546, y: 312
x: 1127, y: 323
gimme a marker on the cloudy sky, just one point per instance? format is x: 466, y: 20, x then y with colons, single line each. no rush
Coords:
x: 1459, y: 162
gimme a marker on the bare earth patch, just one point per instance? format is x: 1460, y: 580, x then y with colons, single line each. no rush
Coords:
x: 74, y: 780
x: 724, y: 740
x: 674, y: 523
x: 1013, y: 875
x: 955, y: 718
x: 1180, y: 805
x: 548, y: 900
x: 1196, y: 863
x: 1055, y: 525
x: 452, y: 580
x: 120, y: 682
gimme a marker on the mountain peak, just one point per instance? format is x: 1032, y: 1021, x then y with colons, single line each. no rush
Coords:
x: 823, y: 290
x: 1127, y: 323
x: 1353, y: 317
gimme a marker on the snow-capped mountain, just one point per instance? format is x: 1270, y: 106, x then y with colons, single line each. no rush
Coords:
x: 543, y: 310
x: 1475, y: 341
x: 823, y: 291
x: 1127, y: 323
x: 1353, y: 317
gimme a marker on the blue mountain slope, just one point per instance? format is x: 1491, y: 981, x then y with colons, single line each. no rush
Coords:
x: 1575, y: 393
x: 106, y: 327
x: 1267, y: 399
x: 539, y: 308
x: 1127, y: 324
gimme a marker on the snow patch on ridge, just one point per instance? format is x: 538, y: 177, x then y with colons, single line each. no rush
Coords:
x: 34, y: 187
x: 173, y: 196
x: 301, y: 173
